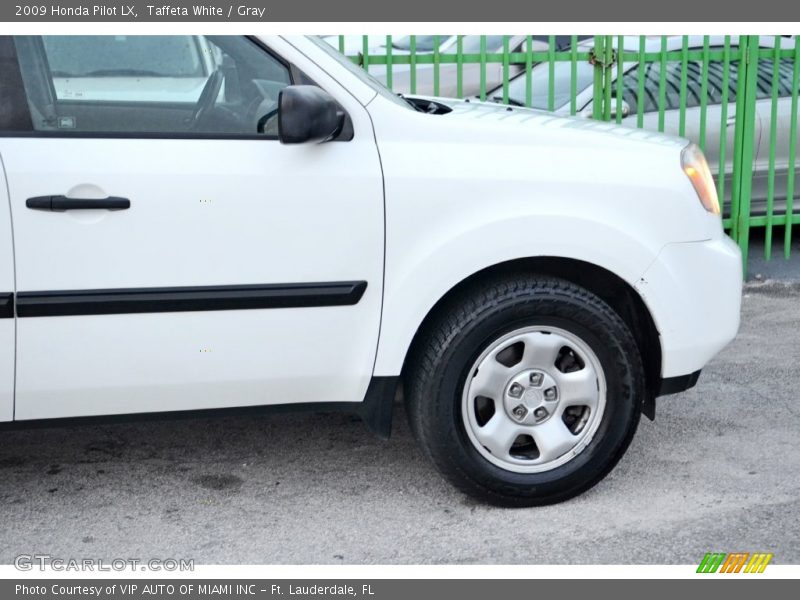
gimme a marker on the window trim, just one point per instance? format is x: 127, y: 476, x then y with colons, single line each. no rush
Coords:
x: 157, y: 135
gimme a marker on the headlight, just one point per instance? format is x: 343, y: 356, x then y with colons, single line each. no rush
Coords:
x: 696, y: 168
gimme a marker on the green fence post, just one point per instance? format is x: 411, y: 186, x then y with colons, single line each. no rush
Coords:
x: 413, y: 68
x: 790, y: 184
x: 608, y: 63
x: 773, y: 142
x: 365, y: 52
x: 599, y: 71
x: 746, y: 117
x: 436, y: 61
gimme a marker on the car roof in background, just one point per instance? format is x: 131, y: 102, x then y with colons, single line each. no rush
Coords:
x: 675, y: 42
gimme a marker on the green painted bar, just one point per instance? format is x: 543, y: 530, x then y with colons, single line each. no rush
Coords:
x: 413, y: 56
x: 737, y: 139
x: 460, y: 66
x: 723, y: 127
x: 436, y: 62
x: 597, y: 96
x: 791, y: 218
x: 505, y: 69
x: 762, y: 221
x: 684, y: 83
x: 483, y: 67
x: 341, y: 44
x: 773, y: 133
x: 620, y: 71
x: 662, y: 84
x: 704, y: 93
x: 538, y: 56
x: 748, y: 135
x: 573, y: 75
x: 529, y: 71
x: 640, y: 73
x: 608, y: 60
x: 491, y: 58
x: 365, y: 52
x: 551, y: 73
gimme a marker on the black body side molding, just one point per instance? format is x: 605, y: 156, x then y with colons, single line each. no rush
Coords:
x: 179, y: 299
x: 376, y: 411
x: 6, y: 305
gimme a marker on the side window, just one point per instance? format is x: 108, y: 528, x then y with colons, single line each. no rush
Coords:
x: 162, y: 85
x: 672, y: 85
x: 764, y: 78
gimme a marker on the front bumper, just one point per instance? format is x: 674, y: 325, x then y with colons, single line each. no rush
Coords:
x: 694, y: 293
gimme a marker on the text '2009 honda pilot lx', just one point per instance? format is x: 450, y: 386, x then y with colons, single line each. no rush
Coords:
x: 228, y: 222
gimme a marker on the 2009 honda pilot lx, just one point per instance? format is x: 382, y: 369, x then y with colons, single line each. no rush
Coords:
x: 223, y: 222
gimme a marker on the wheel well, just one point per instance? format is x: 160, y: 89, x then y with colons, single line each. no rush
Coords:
x: 612, y: 289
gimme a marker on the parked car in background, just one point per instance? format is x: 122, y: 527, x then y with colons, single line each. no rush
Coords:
x: 448, y: 72
x: 425, y: 45
x: 354, y: 44
x: 652, y: 76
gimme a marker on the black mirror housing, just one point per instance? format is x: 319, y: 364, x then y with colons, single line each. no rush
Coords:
x: 307, y: 113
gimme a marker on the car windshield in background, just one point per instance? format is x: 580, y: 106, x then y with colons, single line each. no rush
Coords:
x: 124, y: 56
x: 424, y: 43
x: 540, y: 77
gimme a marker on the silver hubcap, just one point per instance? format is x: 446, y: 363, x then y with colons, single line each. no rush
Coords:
x: 534, y: 400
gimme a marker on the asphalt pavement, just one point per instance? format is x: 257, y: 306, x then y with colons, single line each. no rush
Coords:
x: 717, y: 470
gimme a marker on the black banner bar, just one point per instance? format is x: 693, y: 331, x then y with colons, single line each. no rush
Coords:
x: 392, y: 589
x: 442, y: 11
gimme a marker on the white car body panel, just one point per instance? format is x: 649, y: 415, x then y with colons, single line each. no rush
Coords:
x: 452, y: 211
x: 414, y: 204
x: 681, y: 286
x: 217, y: 212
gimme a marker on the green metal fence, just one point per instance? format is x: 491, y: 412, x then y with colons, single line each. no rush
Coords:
x: 735, y: 96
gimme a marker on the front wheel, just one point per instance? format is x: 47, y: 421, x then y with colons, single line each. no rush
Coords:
x: 526, y: 392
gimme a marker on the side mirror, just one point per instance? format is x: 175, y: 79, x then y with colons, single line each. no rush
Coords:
x: 307, y: 113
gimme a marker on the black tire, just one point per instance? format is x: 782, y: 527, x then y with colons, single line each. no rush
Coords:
x: 467, y: 324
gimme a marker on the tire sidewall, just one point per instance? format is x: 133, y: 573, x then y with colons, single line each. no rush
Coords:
x: 611, y: 342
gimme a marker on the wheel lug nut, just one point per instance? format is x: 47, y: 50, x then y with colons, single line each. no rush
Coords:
x: 540, y: 413
x: 536, y: 379
x: 550, y: 394
x: 515, y: 391
x: 519, y: 412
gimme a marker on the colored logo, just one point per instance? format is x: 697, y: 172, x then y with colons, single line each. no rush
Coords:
x: 737, y: 562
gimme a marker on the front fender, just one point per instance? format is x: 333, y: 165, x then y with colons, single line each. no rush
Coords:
x: 420, y: 274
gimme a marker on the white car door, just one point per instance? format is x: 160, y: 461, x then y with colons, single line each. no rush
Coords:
x: 200, y: 263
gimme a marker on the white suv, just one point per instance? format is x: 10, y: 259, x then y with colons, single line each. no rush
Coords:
x: 299, y: 235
